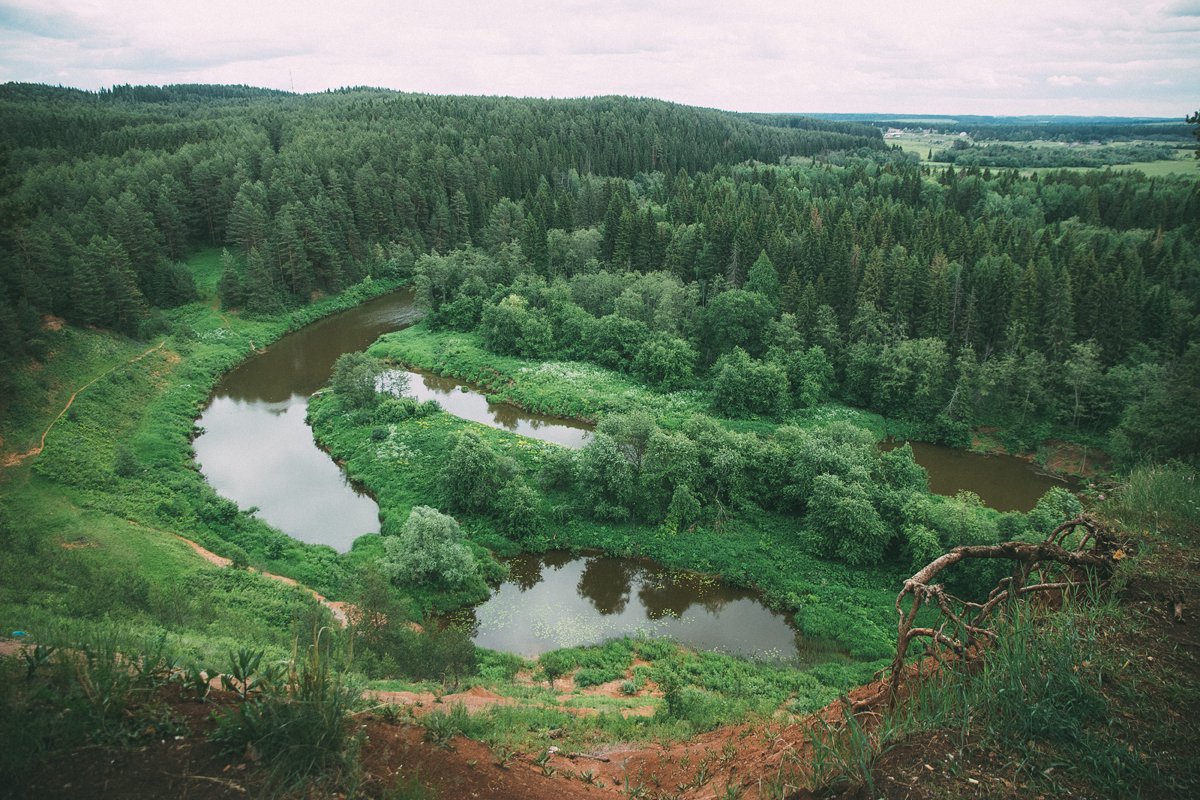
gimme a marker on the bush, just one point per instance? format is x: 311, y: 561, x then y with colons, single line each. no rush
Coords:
x: 743, y: 386
x: 849, y: 526
x: 473, y: 475
x: 701, y: 709
x: 558, y: 469
x: 396, y: 409
x: 429, y: 550
x: 356, y: 379
x: 518, y: 512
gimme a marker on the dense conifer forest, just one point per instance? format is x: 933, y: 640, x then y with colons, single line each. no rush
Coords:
x: 677, y: 244
x: 739, y: 307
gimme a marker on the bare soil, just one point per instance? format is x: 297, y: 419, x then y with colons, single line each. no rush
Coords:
x: 754, y: 760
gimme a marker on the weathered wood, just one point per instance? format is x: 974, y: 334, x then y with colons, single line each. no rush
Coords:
x: 1026, y: 557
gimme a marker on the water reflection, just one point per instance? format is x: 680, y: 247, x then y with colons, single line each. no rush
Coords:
x: 564, y: 600
x: 256, y: 448
x: 1005, y: 483
x: 462, y: 401
x: 606, y: 583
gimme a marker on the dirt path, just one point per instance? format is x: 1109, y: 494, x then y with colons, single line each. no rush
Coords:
x: 14, y: 459
x: 341, y: 611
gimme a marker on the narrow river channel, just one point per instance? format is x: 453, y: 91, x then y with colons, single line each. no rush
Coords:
x: 256, y: 450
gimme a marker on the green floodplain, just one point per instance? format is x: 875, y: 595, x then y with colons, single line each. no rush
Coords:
x: 742, y: 325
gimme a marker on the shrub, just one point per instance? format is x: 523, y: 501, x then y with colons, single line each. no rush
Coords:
x: 518, y: 512
x: 743, y: 386
x: 473, y: 474
x: 429, y: 550
x: 356, y: 379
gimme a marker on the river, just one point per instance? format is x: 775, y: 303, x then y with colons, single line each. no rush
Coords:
x: 256, y: 450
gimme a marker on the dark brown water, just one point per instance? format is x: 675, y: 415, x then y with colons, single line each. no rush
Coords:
x: 559, y: 599
x: 1005, y: 483
x: 463, y: 401
x: 256, y: 448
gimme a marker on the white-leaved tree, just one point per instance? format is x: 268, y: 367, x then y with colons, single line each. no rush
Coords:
x: 429, y: 550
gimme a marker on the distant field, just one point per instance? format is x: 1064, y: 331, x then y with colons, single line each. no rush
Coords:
x: 921, y: 144
x: 1154, y: 169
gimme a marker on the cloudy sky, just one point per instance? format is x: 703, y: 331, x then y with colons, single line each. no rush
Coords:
x: 1110, y: 57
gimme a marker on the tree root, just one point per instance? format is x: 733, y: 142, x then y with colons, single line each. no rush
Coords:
x: 967, y: 620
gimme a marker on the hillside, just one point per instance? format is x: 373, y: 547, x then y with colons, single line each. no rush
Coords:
x: 738, y: 310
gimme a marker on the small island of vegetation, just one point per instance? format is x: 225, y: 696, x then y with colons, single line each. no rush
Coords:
x: 741, y: 309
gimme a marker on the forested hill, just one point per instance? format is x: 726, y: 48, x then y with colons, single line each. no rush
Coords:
x: 102, y: 192
x: 688, y: 246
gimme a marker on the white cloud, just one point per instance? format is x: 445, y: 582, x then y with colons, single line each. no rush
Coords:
x: 1022, y: 56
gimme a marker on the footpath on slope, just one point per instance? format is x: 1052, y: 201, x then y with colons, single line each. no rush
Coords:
x: 341, y: 611
x: 15, y: 459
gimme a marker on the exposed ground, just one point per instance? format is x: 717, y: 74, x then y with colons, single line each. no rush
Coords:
x: 1156, y: 689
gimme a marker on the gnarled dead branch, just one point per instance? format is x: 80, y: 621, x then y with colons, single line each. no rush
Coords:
x: 1057, y: 570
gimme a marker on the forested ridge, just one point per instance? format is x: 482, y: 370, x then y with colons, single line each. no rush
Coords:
x: 799, y: 258
x: 713, y: 291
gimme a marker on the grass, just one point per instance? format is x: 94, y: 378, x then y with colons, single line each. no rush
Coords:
x: 832, y: 602
x: 1033, y: 705
x: 98, y: 507
x: 1185, y: 166
x: 74, y: 357
x: 1163, y: 498
x: 579, y: 390
x: 60, y: 573
x: 562, y: 388
x: 1093, y: 699
x: 297, y: 723
x: 88, y: 687
x: 205, y: 266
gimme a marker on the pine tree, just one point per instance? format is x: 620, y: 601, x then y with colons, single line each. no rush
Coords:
x: 229, y: 287
x: 248, y: 220
x: 763, y: 277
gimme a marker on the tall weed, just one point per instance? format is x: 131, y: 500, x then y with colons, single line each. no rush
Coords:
x: 299, y: 728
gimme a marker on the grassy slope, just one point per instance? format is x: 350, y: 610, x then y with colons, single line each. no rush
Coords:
x: 89, y: 520
x: 75, y: 358
x: 205, y: 266
x: 1097, y: 699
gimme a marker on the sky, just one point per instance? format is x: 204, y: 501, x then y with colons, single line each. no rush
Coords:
x: 994, y: 57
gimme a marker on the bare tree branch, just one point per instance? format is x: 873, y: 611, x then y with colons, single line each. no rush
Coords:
x: 1050, y: 555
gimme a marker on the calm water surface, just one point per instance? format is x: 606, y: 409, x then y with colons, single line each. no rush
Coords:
x: 560, y: 599
x: 461, y: 400
x: 1005, y: 483
x: 256, y: 448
